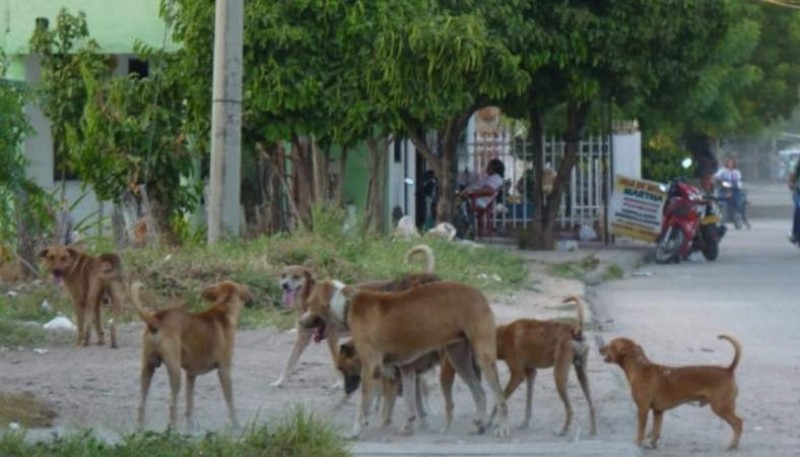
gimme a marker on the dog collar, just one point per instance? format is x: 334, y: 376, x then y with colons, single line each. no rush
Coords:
x: 339, y: 304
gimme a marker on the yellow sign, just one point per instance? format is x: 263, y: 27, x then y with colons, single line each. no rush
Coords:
x: 635, y: 208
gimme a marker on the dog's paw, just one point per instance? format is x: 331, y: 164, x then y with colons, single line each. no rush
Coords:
x: 406, y: 430
x: 277, y: 383
x: 501, y: 432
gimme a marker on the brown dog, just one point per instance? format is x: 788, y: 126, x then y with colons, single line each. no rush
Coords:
x: 297, y: 282
x: 397, y: 328
x: 88, y: 279
x: 659, y: 388
x: 349, y: 364
x: 530, y: 344
x: 197, y: 342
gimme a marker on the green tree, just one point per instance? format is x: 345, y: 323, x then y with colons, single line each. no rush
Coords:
x: 432, y: 67
x: 115, y: 132
x: 582, y: 52
x: 23, y: 205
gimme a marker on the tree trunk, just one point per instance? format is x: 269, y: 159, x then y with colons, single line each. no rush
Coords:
x: 26, y: 239
x: 542, y: 234
x: 342, y: 177
x: 536, y: 237
x: 375, y: 214
x: 445, y: 164
x: 302, y: 186
x: 699, y: 144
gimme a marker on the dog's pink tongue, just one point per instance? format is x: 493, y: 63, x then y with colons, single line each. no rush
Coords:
x: 288, y: 297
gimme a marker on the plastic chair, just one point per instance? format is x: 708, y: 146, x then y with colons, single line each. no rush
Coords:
x: 484, y: 217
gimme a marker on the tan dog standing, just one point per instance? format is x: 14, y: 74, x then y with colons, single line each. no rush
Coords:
x: 659, y: 388
x: 399, y: 327
x: 88, y: 279
x: 297, y: 282
x: 195, y: 342
x: 530, y: 344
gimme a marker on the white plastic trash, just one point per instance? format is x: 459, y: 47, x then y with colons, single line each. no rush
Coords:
x: 60, y: 323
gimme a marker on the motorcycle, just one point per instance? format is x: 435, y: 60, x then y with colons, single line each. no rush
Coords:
x: 690, y: 223
x: 733, y: 201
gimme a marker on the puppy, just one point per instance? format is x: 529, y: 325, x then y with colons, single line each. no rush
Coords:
x: 659, y: 388
x: 530, y: 344
x: 349, y: 364
x: 297, y: 282
x: 88, y: 279
x: 197, y: 342
x: 397, y: 328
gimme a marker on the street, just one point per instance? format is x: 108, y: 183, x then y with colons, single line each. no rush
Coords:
x: 676, y: 312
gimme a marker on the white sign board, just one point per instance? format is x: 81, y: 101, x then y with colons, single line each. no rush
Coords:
x: 635, y: 209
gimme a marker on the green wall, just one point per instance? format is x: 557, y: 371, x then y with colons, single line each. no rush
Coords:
x: 114, y: 24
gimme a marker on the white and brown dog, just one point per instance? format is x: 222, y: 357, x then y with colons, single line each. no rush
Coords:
x: 396, y: 328
x: 297, y: 282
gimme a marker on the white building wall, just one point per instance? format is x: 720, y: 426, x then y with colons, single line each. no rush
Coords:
x: 627, y: 153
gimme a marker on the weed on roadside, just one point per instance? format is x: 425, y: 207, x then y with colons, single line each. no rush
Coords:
x: 298, y: 434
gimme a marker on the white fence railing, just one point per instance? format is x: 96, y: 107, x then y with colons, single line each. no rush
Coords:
x: 582, y: 203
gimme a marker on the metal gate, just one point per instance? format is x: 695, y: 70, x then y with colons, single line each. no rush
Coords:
x: 583, y: 202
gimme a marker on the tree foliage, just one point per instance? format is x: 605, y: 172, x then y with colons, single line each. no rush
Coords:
x: 116, y: 131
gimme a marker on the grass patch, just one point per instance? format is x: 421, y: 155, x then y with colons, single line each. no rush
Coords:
x: 25, y: 410
x: 16, y: 333
x: 176, y: 277
x: 298, y: 434
x: 613, y: 272
x: 575, y: 269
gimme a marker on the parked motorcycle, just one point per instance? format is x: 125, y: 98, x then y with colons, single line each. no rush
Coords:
x: 690, y: 223
x: 733, y: 202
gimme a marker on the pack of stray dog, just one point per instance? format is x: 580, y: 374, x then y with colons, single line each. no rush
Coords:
x: 396, y: 330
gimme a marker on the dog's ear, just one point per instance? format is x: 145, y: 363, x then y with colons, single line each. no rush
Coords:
x: 348, y: 349
x: 44, y: 253
x: 309, y: 278
x: 246, y: 294
x: 212, y: 293
x: 73, y: 252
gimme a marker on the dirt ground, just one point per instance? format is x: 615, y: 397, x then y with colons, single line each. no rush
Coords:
x: 98, y: 387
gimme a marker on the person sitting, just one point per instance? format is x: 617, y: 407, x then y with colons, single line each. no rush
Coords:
x: 484, y: 191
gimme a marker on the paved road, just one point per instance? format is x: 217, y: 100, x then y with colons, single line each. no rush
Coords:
x: 676, y: 311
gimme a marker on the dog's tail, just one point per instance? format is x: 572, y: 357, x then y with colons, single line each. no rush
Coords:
x: 578, y: 332
x: 430, y: 259
x: 737, y: 350
x: 147, y: 316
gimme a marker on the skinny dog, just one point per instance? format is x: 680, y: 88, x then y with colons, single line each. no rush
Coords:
x: 397, y: 328
x: 349, y: 364
x: 659, y: 388
x: 297, y: 282
x: 88, y: 280
x: 530, y: 344
x: 197, y: 342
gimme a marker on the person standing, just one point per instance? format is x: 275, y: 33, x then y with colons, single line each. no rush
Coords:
x: 794, y: 187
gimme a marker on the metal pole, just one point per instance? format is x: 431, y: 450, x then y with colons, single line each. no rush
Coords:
x: 226, y: 122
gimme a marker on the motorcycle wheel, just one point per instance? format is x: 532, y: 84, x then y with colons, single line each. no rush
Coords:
x: 711, y: 246
x: 669, y: 246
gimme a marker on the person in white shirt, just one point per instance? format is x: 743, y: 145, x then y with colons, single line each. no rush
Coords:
x: 730, y: 173
x: 486, y: 189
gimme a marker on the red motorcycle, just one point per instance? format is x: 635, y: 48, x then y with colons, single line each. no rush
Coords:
x: 690, y: 223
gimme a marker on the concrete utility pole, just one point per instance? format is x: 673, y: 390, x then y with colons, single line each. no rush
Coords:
x: 226, y: 122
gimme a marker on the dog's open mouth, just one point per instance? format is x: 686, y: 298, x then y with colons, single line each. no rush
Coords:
x: 289, y: 296
x: 58, y: 277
